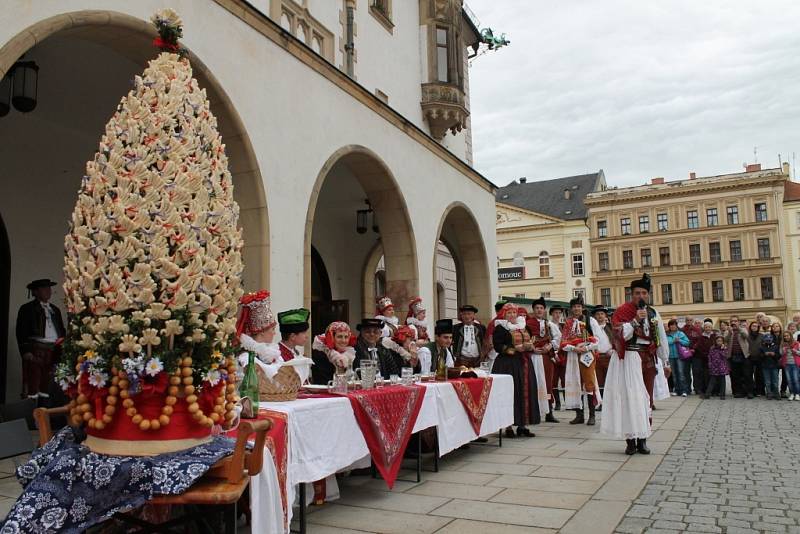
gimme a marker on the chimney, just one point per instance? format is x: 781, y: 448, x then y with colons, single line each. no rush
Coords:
x: 752, y: 167
x: 657, y: 181
x: 786, y: 168
x: 523, y: 180
x: 567, y: 194
x: 692, y: 175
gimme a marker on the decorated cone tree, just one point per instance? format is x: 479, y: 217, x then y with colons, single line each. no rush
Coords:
x: 153, y: 269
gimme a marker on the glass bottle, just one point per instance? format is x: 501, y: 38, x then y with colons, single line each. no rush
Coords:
x: 441, y: 366
x: 249, y: 386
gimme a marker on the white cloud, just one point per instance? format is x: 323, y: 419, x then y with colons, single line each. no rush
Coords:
x: 639, y: 89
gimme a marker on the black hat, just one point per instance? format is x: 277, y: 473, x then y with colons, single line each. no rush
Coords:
x: 42, y: 282
x: 600, y: 309
x: 369, y: 323
x: 576, y: 300
x: 540, y: 301
x: 443, y: 326
x: 643, y: 282
x: 555, y: 307
x: 468, y: 308
x: 499, y: 305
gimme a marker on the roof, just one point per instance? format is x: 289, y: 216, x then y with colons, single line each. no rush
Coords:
x: 791, y: 191
x: 548, y: 196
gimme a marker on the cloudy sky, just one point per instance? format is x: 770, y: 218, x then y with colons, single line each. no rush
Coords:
x: 637, y: 88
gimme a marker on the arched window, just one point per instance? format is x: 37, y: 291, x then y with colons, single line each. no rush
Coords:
x: 301, y: 32
x: 316, y: 46
x: 544, y: 264
x: 286, y: 22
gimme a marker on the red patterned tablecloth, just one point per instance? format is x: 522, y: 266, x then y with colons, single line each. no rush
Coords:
x: 474, y: 396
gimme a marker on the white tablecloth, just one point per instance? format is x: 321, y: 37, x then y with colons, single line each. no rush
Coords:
x: 324, y: 438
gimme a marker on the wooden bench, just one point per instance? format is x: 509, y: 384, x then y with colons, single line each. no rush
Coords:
x: 223, y: 484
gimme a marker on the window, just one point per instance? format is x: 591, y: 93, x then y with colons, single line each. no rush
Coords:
x: 579, y: 293
x: 605, y: 297
x: 692, y: 221
x: 644, y: 224
x: 545, y: 294
x: 666, y: 293
x: 602, y: 229
x: 602, y: 261
x: 628, y: 294
x: 697, y: 292
x: 766, y: 288
x: 736, y: 250
x: 517, y: 295
x: 763, y: 248
x: 662, y: 222
x: 544, y: 265
x: 442, y: 63
x: 738, y: 289
x: 663, y: 256
x: 647, y: 258
x: 761, y: 211
x: 717, y: 291
x: 733, y: 214
x: 797, y: 218
x: 625, y: 225
x: 711, y: 217
x: 627, y: 259
x: 714, y: 252
x: 694, y: 254
x: 577, y: 265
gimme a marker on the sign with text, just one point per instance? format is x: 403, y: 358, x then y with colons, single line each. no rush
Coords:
x: 505, y: 274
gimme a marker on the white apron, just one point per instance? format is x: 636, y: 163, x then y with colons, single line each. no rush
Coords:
x: 626, y: 406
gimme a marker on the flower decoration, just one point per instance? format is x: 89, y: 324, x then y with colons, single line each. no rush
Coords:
x: 153, y: 367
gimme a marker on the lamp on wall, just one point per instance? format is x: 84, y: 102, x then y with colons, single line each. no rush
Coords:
x: 362, y: 219
x: 25, y: 86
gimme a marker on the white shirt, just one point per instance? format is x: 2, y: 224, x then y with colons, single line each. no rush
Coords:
x: 555, y: 332
x: 603, y: 343
x: 470, y: 346
x: 663, y: 347
x: 50, y: 333
x: 425, y: 358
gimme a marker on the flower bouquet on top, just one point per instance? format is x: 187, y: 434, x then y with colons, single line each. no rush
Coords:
x: 153, y: 269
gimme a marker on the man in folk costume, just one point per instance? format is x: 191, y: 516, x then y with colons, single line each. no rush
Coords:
x: 438, y: 349
x: 546, y: 340
x: 639, y: 337
x: 369, y: 347
x: 39, y: 328
x: 416, y: 320
x: 488, y: 346
x: 294, y: 327
x: 385, y: 312
x: 579, y: 344
x: 468, y: 337
x: 512, y: 340
x: 333, y: 352
x: 601, y: 329
x: 560, y: 359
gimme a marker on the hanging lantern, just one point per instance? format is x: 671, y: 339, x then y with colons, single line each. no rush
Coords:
x: 5, y: 94
x: 361, y: 221
x: 25, y: 86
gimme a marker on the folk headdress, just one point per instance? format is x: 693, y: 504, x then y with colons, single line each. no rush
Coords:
x: 383, y: 304
x: 403, y: 333
x: 255, y: 314
x: 415, y: 307
x: 333, y: 329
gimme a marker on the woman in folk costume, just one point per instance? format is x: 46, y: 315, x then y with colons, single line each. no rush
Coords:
x: 255, y: 329
x: 336, y: 346
x: 416, y: 320
x: 384, y: 309
x: 639, y: 337
x: 403, y: 343
x: 580, y: 345
x: 512, y: 340
x: 546, y: 339
x: 488, y: 346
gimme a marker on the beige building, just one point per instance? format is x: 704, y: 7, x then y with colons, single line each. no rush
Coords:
x: 791, y: 255
x: 542, y: 237
x: 712, y: 245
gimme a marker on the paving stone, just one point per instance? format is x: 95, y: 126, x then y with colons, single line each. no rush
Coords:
x: 633, y: 525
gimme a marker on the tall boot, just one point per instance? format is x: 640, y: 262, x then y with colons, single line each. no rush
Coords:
x: 631, y: 448
x: 641, y: 446
x: 550, y: 418
x: 578, y: 418
x: 590, y: 421
x: 558, y: 399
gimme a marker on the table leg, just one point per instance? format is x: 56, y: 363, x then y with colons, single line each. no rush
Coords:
x: 229, y: 518
x: 419, y: 459
x: 302, y: 515
x: 436, y: 456
x: 500, y: 438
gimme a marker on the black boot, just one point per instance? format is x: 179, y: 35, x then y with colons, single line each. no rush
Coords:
x: 578, y: 418
x: 590, y: 421
x: 510, y: 433
x: 549, y: 418
x: 524, y: 432
x: 631, y: 448
x: 641, y: 446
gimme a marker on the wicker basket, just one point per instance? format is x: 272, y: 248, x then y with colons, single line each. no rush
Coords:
x: 283, y: 386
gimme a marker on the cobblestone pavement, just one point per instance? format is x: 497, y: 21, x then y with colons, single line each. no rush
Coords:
x: 734, y: 468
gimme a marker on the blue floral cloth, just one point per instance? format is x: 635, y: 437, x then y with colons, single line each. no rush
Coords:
x: 68, y: 488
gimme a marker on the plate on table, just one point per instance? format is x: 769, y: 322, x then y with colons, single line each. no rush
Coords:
x: 317, y: 388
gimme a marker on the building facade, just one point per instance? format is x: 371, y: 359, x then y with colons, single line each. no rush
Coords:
x: 542, y: 237
x: 712, y: 245
x: 791, y: 254
x: 346, y: 124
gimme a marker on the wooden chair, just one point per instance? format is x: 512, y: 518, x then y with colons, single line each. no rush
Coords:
x: 223, y: 484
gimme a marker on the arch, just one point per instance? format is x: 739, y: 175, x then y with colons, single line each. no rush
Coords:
x: 460, y: 232
x: 5, y: 301
x: 133, y: 38
x: 396, y: 235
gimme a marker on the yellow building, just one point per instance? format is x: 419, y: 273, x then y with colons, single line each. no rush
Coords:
x: 542, y: 237
x: 791, y: 255
x: 712, y: 245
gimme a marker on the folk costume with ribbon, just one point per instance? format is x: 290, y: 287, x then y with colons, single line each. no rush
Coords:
x: 390, y: 322
x: 419, y: 326
x: 329, y: 360
x: 546, y: 338
x: 580, y: 372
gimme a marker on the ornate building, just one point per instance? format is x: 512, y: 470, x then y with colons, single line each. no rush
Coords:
x: 791, y: 254
x: 543, y: 239
x: 713, y: 245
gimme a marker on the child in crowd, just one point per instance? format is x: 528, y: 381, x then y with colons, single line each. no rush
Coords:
x: 790, y: 359
x: 718, y: 368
